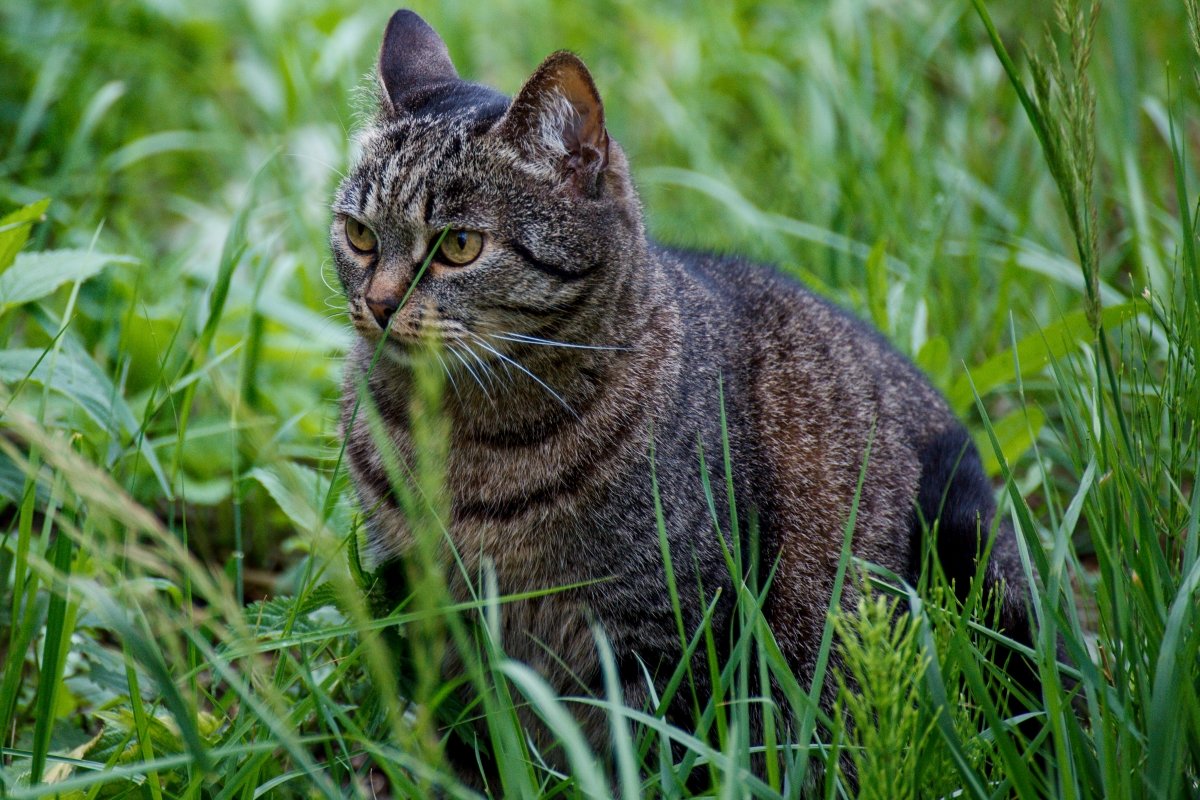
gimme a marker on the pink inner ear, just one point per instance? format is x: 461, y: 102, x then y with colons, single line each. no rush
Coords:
x: 588, y: 128
x: 562, y: 76
x: 583, y: 136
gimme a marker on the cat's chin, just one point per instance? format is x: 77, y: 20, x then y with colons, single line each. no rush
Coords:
x: 401, y: 346
x: 371, y: 333
x: 394, y: 352
x: 398, y: 354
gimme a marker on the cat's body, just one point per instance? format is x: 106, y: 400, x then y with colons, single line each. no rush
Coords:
x: 554, y: 449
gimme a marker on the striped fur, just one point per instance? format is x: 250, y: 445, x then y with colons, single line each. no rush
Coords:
x: 549, y: 470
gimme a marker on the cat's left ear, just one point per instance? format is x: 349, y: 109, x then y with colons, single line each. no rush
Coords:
x: 557, y: 119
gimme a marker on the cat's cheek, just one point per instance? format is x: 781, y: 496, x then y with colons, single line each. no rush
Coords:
x: 350, y: 273
x: 362, y: 321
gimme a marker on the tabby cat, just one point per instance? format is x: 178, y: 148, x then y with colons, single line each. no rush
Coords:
x: 583, y: 355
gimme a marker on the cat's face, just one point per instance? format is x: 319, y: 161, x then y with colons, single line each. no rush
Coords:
x: 530, y: 201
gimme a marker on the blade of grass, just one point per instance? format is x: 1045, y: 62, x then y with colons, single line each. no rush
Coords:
x: 59, y: 625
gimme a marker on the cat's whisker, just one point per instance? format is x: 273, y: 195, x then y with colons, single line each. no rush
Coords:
x: 521, y: 367
x: 467, y: 366
x: 315, y: 160
x: 483, y: 365
x: 526, y: 339
x: 328, y: 268
x: 449, y: 376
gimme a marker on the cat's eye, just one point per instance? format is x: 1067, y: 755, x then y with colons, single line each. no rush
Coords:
x: 361, y: 237
x: 461, y: 247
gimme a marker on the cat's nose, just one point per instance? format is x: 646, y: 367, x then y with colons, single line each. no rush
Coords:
x: 382, y: 310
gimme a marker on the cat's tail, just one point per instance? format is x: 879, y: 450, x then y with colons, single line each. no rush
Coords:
x: 955, y: 504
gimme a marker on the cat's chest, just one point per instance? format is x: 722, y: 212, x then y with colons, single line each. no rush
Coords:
x: 538, y: 514
x: 528, y: 521
x: 535, y: 513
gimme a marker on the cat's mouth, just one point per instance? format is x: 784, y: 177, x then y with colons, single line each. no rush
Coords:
x: 407, y: 328
x: 400, y: 334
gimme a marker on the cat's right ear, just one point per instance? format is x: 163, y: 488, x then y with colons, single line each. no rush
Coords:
x: 412, y: 60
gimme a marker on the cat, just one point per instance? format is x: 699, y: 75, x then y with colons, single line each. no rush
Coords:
x: 588, y: 366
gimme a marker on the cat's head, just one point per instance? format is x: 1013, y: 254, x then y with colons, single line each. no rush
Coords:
x: 541, y: 211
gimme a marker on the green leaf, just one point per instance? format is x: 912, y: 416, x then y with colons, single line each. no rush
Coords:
x: 1035, y: 352
x: 12, y: 483
x: 75, y: 375
x: 35, y: 275
x: 14, y: 230
x: 299, y: 492
x: 77, y: 353
x: 78, y: 379
x: 292, y: 615
x: 1174, y: 669
x: 60, y: 624
x: 1016, y: 434
x: 99, y: 679
x: 934, y: 359
x: 877, y: 285
x: 157, y: 144
x: 584, y: 765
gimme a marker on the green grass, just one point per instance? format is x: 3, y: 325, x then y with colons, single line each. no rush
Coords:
x: 182, y: 608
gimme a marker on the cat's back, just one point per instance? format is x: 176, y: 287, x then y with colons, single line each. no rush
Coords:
x: 776, y: 333
x: 808, y: 389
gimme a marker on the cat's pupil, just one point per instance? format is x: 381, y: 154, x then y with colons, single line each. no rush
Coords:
x: 461, y: 240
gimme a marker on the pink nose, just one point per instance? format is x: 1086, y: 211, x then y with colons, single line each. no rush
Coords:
x: 382, y: 310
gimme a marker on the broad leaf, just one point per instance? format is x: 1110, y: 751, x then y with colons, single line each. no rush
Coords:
x: 35, y: 275
x: 67, y: 374
x: 14, y: 230
x: 934, y: 360
x: 12, y: 483
x: 299, y: 491
x: 1016, y: 434
x: 1035, y: 352
x: 75, y: 375
x: 270, y: 618
x: 877, y: 286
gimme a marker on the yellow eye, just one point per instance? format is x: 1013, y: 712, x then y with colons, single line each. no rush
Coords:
x: 461, y: 247
x: 361, y: 237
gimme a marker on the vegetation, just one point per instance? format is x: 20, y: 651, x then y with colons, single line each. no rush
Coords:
x: 1009, y: 193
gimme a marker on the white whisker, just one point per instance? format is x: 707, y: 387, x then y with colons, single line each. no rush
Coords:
x: 327, y: 267
x: 519, y: 366
x: 467, y: 366
x: 526, y: 339
x: 315, y: 160
x: 450, y: 377
x: 483, y: 365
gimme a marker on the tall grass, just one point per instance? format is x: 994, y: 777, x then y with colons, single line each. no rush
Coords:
x: 1007, y: 192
